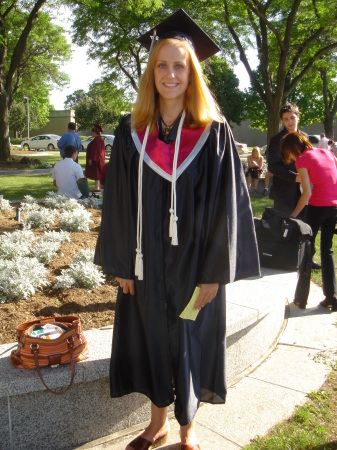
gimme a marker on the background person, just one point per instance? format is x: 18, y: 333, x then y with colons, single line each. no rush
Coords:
x: 95, y: 157
x: 285, y: 191
x: 70, y: 138
x: 323, y: 142
x: 175, y: 191
x: 255, y: 164
x: 316, y: 167
x: 67, y: 172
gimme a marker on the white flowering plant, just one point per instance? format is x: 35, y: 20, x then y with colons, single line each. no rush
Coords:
x: 16, y: 244
x: 5, y: 205
x: 76, y: 220
x: 47, y: 247
x: 41, y: 218
x: 20, y: 278
x: 81, y: 273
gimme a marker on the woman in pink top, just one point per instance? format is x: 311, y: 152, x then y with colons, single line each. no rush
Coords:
x: 317, y: 169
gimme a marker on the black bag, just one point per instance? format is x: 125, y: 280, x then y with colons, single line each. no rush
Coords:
x: 283, y: 242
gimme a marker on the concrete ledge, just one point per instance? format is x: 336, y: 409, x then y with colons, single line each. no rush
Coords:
x: 30, y: 417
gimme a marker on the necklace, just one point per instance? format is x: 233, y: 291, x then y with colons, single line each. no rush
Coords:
x: 167, y: 128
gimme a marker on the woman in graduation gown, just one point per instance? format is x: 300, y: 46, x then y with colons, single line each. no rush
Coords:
x: 95, y: 157
x: 176, y: 216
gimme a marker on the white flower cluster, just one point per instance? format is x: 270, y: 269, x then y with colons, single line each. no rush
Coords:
x: 40, y: 218
x: 81, y: 273
x: 20, y: 277
x: 55, y: 201
x: 22, y: 259
x: 5, y: 206
x: 76, y: 220
x: 47, y: 247
x: 16, y: 244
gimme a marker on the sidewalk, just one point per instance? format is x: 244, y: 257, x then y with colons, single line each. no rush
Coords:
x: 268, y: 393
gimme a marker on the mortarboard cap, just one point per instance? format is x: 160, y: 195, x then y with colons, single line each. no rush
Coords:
x: 181, y: 26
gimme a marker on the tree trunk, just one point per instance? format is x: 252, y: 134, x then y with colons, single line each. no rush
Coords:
x: 328, y: 123
x: 273, y: 120
x: 4, y: 127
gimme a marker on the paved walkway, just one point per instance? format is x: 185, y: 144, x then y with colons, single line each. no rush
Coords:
x: 268, y: 394
x: 28, y: 172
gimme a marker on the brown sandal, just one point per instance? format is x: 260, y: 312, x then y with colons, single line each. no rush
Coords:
x: 141, y: 443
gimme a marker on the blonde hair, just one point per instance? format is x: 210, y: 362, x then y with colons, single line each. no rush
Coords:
x: 200, y: 105
x: 257, y: 149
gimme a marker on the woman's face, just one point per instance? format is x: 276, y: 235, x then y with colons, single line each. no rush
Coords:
x: 255, y: 153
x: 172, y: 72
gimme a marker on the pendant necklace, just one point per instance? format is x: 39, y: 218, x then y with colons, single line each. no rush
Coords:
x: 167, y: 128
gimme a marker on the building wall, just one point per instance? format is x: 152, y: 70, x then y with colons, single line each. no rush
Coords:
x: 252, y: 137
x: 58, y: 123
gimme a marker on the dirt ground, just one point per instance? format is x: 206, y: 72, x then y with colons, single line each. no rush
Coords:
x: 95, y: 307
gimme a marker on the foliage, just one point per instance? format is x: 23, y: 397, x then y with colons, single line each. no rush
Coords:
x: 5, y: 205
x: 31, y: 51
x: 16, y: 244
x: 286, y: 47
x: 312, y: 426
x: 42, y: 218
x: 20, y: 278
x: 73, y: 99
x: 76, y: 220
x: 81, y: 273
x: 225, y: 86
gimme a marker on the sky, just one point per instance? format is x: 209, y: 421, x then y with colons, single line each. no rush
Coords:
x: 82, y: 71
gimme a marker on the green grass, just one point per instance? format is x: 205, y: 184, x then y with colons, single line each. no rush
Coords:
x: 16, y: 187
x: 50, y: 159
x: 312, y: 426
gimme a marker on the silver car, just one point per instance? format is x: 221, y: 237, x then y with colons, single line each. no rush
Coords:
x: 108, y: 140
x: 41, y: 142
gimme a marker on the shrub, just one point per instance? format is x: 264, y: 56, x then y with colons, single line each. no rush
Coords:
x: 20, y: 278
x: 5, y: 206
x: 41, y: 218
x: 76, y: 220
x: 81, y: 273
x: 16, y: 244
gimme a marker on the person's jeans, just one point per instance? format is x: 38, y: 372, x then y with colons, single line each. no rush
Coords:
x: 324, y: 218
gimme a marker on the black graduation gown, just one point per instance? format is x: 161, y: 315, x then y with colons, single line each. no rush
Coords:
x: 151, y: 345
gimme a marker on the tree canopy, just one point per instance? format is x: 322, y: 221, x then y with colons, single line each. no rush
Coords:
x: 31, y: 52
x: 287, y: 36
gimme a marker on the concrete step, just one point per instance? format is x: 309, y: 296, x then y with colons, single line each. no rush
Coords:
x: 32, y: 418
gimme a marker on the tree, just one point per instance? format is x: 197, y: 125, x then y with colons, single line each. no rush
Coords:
x: 111, y: 29
x: 289, y: 36
x: 73, y: 99
x: 225, y: 86
x: 103, y: 104
x: 25, y: 55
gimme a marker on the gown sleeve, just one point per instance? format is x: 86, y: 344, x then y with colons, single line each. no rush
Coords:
x: 230, y: 250
x: 115, y: 256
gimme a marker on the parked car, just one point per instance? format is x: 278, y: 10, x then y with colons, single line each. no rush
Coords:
x: 41, y: 142
x: 241, y: 148
x: 108, y: 140
x: 314, y: 139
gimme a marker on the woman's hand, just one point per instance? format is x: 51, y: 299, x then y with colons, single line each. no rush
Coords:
x: 90, y: 162
x: 128, y: 286
x: 206, y: 294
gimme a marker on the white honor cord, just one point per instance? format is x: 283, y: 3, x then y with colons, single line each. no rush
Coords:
x: 139, y: 254
x: 173, y: 231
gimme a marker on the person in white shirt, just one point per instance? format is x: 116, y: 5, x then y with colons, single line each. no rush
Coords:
x: 323, y: 142
x: 67, y: 172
